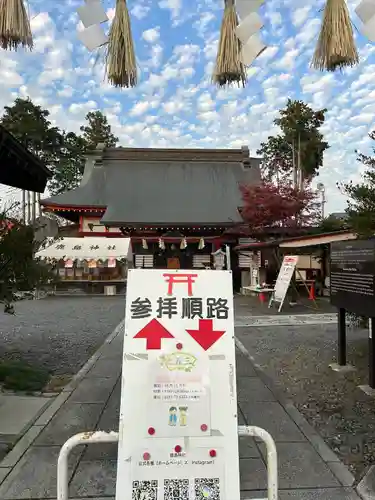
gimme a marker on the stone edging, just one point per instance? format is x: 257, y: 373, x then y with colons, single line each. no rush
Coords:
x: 338, y: 469
x: 36, y: 427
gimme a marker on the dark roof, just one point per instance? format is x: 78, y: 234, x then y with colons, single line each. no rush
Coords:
x: 165, y: 187
x: 91, y: 194
x: 18, y: 167
x: 301, y: 238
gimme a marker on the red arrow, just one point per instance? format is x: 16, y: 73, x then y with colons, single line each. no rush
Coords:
x: 206, y: 336
x: 153, y: 332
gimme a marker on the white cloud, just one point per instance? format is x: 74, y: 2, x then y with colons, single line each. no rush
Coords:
x: 140, y: 11
x: 173, y: 5
x: 10, y: 78
x: 152, y: 35
x: 139, y: 108
x: 84, y: 107
x: 299, y: 16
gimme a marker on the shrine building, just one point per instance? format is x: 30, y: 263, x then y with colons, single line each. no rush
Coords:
x: 180, y: 207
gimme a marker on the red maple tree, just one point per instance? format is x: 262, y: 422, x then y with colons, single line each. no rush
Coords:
x: 270, y: 205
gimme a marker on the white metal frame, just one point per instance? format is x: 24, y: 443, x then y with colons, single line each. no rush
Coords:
x: 85, y: 438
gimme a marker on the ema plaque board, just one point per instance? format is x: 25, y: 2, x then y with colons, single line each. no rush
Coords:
x: 178, y: 435
x: 352, y: 276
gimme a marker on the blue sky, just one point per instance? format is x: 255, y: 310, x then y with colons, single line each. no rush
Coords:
x: 175, y: 104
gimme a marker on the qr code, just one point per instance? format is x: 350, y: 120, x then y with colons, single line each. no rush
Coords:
x: 145, y: 490
x: 176, y: 489
x: 207, y: 488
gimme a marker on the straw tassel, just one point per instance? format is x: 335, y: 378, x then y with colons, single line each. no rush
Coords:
x: 229, y: 66
x: 336, y: 46
x: 144, y: 244
x: 121, y: 62
x: 201, y: 244
x: 161, y: 244
x: 15, y: 28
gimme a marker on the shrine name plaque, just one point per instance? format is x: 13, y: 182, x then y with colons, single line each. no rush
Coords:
x: 352, y: 276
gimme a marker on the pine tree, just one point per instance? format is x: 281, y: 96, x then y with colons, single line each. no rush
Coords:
x: 361, y: 197
x: 98, y: 131
x: 300, y: 144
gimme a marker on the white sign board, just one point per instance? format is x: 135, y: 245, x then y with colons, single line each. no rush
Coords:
x: 284, y: 278
x: 178, y: 416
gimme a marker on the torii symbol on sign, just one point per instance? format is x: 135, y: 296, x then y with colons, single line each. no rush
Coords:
x: 206, y: 336
x: 173, y: 279
x: 153, y: 332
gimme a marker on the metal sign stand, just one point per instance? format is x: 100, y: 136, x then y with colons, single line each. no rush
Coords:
x: 100, y: 437
x: 178, y: 430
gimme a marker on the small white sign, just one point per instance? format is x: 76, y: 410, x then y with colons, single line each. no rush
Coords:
x: 284, y: 278
x: 178, y: 415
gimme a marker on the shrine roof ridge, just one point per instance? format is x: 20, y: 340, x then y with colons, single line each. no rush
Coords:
x: 177, y: 154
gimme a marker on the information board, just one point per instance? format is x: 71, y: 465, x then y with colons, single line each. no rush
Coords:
x: 178, y: 437
x: 284, y: 278
x: 352, y: 276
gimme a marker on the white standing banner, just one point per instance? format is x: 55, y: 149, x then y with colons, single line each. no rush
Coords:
x: 284, y: 278
x: 178, y: 435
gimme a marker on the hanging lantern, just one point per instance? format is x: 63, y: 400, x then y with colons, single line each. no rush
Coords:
x: 173, y: 246
x: 183, y: 244
x: 201, y: 244
x: 111, y: 262
x: 144, y: 244
x: 161, y: 244
x: 229, y: 67
x: 336, y: 46
x: 15, y: 28
x: 121, y: 63
x: 69, y: 263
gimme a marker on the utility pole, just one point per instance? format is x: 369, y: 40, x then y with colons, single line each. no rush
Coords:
x: 322, y: 190
x: 299, y: 169
x: 294, y: 166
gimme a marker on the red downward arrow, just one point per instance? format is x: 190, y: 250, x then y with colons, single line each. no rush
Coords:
x: 206, y: 336
x: 153, y: 332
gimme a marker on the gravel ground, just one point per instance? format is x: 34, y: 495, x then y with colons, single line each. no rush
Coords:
x: 297, y: 359
x: 59, y: 333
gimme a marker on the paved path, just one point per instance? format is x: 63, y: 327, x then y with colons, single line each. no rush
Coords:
x: 308, y: 470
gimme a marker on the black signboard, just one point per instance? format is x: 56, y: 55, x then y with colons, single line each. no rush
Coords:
x: 352, y: 276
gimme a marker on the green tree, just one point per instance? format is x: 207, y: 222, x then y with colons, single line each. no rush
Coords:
x: 97, y: 130
x: 299, y: 149
x: 68, y: 172
x: 361, y: 197
x: 29, y: 123
x: 18, y: 268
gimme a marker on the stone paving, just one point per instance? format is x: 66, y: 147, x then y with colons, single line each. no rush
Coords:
x: 308, y: 470
x: 59, y: 334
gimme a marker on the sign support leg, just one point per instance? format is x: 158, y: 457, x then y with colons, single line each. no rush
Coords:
x: 370, y: 389
x: 371, y: 351
x: 341, y: 365
x: 341, y: 353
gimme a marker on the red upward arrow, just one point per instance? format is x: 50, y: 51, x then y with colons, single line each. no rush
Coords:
x: 153, y: 332
x: 206, y: 336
